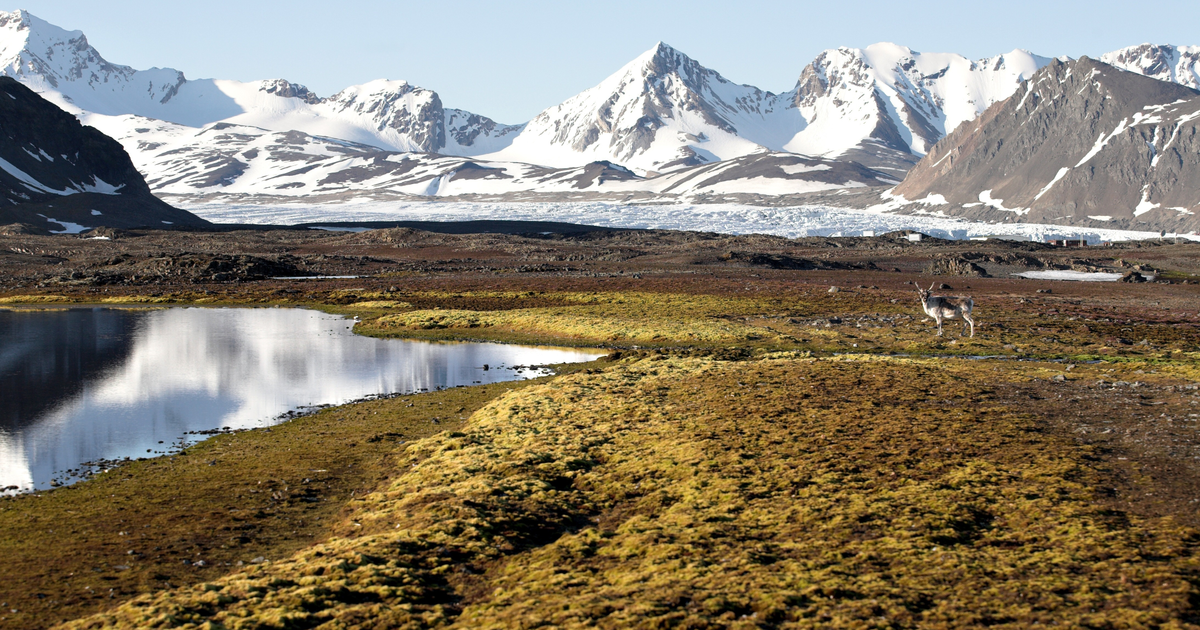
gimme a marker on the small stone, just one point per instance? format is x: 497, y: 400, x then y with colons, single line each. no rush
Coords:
x: 258, y: 560
x: 1058, y: 378
x: 1044, y: 291
x: 833, y: 290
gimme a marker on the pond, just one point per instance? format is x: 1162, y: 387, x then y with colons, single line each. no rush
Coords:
x: 83, y: 387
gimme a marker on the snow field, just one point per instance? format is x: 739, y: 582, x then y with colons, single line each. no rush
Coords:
x: 792, y: 222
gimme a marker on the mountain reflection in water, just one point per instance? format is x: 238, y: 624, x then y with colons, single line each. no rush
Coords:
x: 82, y: 385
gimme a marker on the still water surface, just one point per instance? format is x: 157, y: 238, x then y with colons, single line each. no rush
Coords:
x: 88, y: 385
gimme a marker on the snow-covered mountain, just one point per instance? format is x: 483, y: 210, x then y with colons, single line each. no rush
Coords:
x: 225, y: 160
x: 661, y: 111
x: 883, y: 107
x: 1176, y: 64
x: 888, y: 95
x: 63, y: 67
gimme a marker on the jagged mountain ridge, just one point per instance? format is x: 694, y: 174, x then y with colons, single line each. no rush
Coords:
x: 1174, y: 64
x: 67, y: 70
x: 661, y: 110
x: 1083, y: 143
x: 883, y: 106
x: 54, y: 167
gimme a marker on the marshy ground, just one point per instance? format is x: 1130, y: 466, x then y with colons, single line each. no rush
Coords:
x: 759, y: 450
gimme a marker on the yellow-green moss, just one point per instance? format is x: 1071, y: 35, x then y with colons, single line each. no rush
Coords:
x: 824, y: 493
x: 34, y: 299
x: 644, y: 318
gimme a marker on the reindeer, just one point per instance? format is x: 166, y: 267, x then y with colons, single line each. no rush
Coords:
x: 941, y: 307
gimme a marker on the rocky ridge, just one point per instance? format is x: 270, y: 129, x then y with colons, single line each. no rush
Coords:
x: 1083, y: 143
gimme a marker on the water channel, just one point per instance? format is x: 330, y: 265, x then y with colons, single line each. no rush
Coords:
x: 95, y: 385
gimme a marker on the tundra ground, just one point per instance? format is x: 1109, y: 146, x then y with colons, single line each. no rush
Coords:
x: 759, y: 450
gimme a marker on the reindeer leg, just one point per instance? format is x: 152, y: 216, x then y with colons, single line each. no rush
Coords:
x: 939, y: 322
x: 968, y: 320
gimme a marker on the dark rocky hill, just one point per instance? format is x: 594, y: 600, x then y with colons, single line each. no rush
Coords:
x: 54, y: 167
x: 1081, y: 143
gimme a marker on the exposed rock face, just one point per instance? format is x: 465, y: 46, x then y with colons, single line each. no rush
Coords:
x: 287, y: 89
x: 1082, y: 143
x: 51, y: 164
x: 413, y: 112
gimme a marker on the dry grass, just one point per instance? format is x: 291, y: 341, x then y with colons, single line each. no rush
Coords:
x: 789, y: 491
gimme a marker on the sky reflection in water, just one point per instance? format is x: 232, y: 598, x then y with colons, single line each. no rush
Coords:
x: 83, y: 385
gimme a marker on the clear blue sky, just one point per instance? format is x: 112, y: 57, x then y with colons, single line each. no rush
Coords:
x: 510, y: 60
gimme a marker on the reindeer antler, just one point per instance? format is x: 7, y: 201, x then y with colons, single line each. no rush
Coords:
x: 931, y: 285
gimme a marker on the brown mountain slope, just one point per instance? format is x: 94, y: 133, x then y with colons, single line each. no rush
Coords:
x: 1082, y: 143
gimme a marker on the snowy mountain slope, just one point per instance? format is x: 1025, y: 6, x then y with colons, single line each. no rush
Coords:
x: 1176, y: 64
x: 887, y: 104
x: 662, y: 110
x: 66, y: 69
x: 1083, y: 143
x: 228, y: 161
x: 904, y: 99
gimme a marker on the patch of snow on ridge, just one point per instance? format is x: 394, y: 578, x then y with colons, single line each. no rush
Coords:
x: 796, y: 169
x: 70, y: 228
x: 28, y: 180
x: 1102, y: 141
x: 793, y: 222
x: 1061, y: 172
x: 987, y: 199
x: 933, y: 199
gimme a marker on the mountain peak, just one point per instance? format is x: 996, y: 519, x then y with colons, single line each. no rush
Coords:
x: 662, y: 57
x: 23, y: 21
